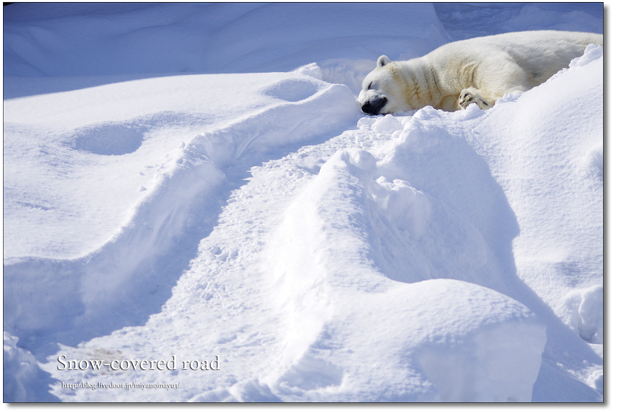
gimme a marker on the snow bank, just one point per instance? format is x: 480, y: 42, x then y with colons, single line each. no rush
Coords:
x: 462, y: 209
x: 407, y: 344
x: 88, y: 39
x: 441, y: 209
x: 538, y: 17
x: 462, y: 20
x: 384, y: 273
x: 143, y: 137
x: 90, y: 164
x: 113, y: 276
x: 353, y: 333
x: 23, y: 381
x: 19, y: 370
x: 550, y: 173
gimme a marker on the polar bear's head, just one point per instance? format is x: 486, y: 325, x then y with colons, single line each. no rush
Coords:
x: 383, y: 90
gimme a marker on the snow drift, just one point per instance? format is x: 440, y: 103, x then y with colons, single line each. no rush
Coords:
x: 214, y: 38
x: 336, y: 298
x: 260, y: 218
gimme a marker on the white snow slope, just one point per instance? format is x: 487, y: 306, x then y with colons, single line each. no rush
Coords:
x: 195, y: 209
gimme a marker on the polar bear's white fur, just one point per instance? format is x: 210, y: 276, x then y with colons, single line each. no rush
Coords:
x: 479, y: 70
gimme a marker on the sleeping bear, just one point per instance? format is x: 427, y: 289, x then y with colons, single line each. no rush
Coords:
x: 479, y: 70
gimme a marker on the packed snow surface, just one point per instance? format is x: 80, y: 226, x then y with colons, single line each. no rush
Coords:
x: 195, y: 209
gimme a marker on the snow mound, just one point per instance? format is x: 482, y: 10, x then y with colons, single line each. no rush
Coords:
x: 593, y: 163
x: 19, y: 370
x: 328, y: 284
x: 437, y: 203
x: 408, y: 209
x: 573, y: 216
x: 23, y: 380
x: 592, y: 53
x: 493, y: 356
x: 584, y: 310
x: 312, y: 70
x: 280, y: 125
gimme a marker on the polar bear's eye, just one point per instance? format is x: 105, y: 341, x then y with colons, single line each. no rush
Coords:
x: 369, y: 85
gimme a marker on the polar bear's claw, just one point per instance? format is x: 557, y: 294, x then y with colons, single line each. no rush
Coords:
x: 469, y: 96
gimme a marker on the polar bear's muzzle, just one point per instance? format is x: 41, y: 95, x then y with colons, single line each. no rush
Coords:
x: 374, y: 105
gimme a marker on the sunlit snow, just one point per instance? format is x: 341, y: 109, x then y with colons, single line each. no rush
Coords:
x: 195, y: 185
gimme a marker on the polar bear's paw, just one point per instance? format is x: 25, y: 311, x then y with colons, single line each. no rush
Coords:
x: 471, y: 95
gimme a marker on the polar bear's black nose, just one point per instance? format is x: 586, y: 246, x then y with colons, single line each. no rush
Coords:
x: 374, y: 105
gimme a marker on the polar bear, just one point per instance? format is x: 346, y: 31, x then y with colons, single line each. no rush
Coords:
x: 479, y: 70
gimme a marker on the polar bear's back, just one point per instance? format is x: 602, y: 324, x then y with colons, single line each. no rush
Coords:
x: 540, y: 53
x: 543, y: 53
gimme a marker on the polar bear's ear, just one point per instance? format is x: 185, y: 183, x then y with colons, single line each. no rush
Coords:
x: 382, y: 61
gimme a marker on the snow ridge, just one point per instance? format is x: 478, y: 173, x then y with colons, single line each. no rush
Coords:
x: 116, y: 275
x: 316, y: 275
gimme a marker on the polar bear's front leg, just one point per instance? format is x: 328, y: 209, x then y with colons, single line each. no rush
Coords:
x: 472, y: 95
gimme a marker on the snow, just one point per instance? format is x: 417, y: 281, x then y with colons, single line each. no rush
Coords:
x: 194, y: 184
x: 21, y: 374
x: 40, y: 39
